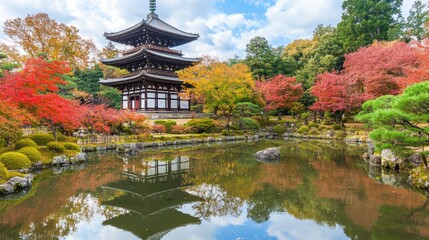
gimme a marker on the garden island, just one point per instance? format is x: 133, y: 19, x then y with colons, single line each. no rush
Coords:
x: 321, y: 137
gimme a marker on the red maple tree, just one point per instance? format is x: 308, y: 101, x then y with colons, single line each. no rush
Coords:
x: 280, y: 92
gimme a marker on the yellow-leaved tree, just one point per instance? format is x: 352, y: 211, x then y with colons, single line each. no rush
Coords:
x: 219, y: 86
x: 39, y: 34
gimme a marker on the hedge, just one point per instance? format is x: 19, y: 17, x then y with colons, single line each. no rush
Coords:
x: 25, y: 142
x: 56, y: 147
x: 15, y: 160
x: 42, y: 139
x: 33, y: 154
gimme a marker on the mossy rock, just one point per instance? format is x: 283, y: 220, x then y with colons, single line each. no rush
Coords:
x: 25, y: 142
x: 42, y: 139
x: 15, y: 161
x: 4, y: 173
x: 33, y: 154
x: 56, y: 147
x: 72, y: 146
x: 419, y: 177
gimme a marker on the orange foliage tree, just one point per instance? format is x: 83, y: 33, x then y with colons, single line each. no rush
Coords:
x: 39, y: 34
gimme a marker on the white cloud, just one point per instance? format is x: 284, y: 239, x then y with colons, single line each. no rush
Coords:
x: 222, y: 35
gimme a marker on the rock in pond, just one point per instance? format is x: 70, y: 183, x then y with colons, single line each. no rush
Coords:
x: 15, y: 184
x: 268, y: 155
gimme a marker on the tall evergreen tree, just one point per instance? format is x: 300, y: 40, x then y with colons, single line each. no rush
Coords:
x: 364, y: 21
x: 415, y: 25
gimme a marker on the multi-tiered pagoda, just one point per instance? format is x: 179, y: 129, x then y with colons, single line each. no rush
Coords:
x: 152, y: 85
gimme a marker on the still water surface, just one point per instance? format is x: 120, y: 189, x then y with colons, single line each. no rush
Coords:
x: 316, y: 191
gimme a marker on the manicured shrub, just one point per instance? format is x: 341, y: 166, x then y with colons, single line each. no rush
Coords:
x: 246, y: 124
x: 72, y: 146
x: 341, y: 135
x: 263, y: 121
x: 336, y: 127
x: 203, y: 125
x: 25, y: 142
x: 313, y: 131
x: 4, y: 173
x: 168, y: 124
x: 33, y: 154
x: 279, y: 129
x: 232, y: 132
x: 313, y: 125
x: 15, y: 160
x: 42, y: 139
x: 182, y: 130
x: 303, y: 130
x: 158, y: 129
x: 56, y: 147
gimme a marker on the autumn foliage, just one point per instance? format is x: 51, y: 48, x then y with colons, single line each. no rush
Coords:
x: 280, y: 92
x: 379, y: 69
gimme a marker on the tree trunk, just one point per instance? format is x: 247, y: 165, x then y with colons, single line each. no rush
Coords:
x: 280, y: 115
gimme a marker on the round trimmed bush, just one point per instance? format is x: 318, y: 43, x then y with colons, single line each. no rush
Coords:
x: 72, y: 146
x: 56, y: 147
x: 303, y: 129
x: 42, y: 139
x: 4, y: 173
x: 168, y: 124
x: 32, y: 154
x: 25, y: 142
x: 279, y: 129
x: 313, y: 131
x: 202, y: 125
x: 15, y: 160
x: 313, y: 125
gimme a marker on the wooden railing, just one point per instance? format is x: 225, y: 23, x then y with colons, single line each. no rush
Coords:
x: 151, y: 47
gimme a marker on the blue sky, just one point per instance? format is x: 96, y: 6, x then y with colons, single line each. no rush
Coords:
x: 225, y: 26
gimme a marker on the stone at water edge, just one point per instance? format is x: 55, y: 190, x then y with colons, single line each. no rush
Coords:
x: 16, y: 183
x: 82, y: 157
x: 60, y: 160
x: 268, y: 155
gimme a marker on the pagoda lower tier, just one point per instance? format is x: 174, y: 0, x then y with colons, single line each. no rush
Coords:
x: 149, y: 91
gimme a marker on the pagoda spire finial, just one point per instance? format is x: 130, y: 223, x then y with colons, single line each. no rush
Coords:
x: 152, y: 6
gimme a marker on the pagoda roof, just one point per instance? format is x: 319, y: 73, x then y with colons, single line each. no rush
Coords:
x: 151, y: 23
x: 144, y: 74
x: 145, y: 51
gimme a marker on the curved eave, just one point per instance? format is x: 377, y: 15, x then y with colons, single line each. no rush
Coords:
x: 151, y: 53
x: 154, y: 24
x: 143, y: 75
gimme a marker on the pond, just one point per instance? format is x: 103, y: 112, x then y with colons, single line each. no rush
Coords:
x: 316, y: 191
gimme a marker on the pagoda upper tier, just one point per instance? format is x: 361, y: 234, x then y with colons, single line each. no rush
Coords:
x: 151, y: 57
x: 152, y: 31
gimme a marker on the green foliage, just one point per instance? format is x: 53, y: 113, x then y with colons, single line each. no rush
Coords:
x: 32, y: 153
x: 232, y: 132
x: 397, y: 120
x: 264, y: 61
x: 203, y: 125
x: 341, y: 135
x: 313, y: 131
x: 246, y: 124
x: 415, y: 25
x: 246, y: 109
x: 88, y: 80
x: 263, y: 121
x: 364, y: 21
x: 71, y: 146
x: 4, y: 173
x: 56, y: 147
x: 279, y: 129
x: 313, y: 125
x: 15, y: 161
x: 168, y: 124
x: 303, y: 130
x: 25, y: 142
x: 42, y: 139
x: 197, y: 108
x: 112, y: 96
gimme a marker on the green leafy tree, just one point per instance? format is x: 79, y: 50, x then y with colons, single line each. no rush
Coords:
x: 415, y: 25
x: 264, y: 60
x: 5, y: 65
x: 364, y: 21
x: 400, y: 122
x: 88, y: 80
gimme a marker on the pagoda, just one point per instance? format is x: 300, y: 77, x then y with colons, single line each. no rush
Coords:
x: 153, y: 84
